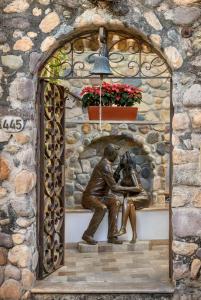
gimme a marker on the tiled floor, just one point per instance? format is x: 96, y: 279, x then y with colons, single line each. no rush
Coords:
x: 132, y: 269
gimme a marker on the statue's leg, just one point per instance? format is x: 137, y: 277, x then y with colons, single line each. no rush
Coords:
x: 113, y: 206
x: 92, y: 202
x: 132, y: 218
x: 125, y: 215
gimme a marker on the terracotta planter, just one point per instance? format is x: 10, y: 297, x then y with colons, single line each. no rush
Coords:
x: 115, y: 113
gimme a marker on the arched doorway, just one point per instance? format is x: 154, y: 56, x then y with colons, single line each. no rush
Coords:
x: 133, y: 61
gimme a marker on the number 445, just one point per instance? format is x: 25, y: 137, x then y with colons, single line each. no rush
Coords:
x: 12, y: 124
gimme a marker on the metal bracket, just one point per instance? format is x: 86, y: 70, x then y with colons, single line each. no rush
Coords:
x: 103, y: 42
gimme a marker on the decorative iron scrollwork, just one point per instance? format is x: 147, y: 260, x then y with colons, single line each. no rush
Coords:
x: 129, y: 57
x: 51, y: 221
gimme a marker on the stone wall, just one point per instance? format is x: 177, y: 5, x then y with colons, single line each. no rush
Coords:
x: 152, y: 131
x: 155, y: 105
x: 31, y: 29
x: 84, y: 148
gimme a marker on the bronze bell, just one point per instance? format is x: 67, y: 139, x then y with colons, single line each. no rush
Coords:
x: 101, y: 66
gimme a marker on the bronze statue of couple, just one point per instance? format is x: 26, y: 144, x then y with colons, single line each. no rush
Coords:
x: 98, y: 195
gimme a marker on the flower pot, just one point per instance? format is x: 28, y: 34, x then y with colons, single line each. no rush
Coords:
x: 115, y: 113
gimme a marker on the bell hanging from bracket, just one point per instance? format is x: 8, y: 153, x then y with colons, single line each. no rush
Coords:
x: 101, y: 65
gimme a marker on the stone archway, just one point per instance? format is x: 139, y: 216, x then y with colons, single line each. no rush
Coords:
x: 132, y: 59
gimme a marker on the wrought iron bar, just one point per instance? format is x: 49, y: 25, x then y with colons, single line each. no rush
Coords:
x: 74, y: 58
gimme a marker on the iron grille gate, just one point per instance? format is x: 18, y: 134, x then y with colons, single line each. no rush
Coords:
x: 51, y: 212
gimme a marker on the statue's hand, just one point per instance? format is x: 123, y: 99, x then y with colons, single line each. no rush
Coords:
x: 136, y: 189
x: 132, y: 189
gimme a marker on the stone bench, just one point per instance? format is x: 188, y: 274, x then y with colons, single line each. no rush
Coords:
x: 152, y: 224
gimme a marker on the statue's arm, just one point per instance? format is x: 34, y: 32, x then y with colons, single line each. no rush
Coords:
x: 135, y: 180
x: 109, y: 178
x: 117, y: 173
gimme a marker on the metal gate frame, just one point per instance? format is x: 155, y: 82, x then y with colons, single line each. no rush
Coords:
x: 50, y: 214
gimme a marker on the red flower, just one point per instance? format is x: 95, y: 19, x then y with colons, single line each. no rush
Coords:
x: 112, y: 93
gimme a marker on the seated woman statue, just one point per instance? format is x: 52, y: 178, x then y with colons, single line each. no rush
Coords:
x: 126, y: 170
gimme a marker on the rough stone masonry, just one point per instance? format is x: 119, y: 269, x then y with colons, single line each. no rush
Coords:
x: 30, y: 30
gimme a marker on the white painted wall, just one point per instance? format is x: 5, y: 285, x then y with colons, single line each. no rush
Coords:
x: 151, y: 225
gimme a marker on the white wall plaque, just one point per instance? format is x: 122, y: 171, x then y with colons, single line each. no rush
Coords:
x: 12, y: 124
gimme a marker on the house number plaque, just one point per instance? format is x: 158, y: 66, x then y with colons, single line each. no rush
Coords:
x: 12, y: 124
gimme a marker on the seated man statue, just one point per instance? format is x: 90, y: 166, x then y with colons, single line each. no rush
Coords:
x: 96, y: 196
